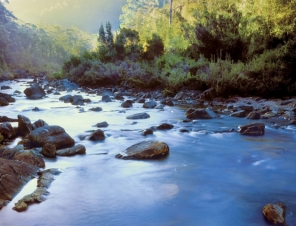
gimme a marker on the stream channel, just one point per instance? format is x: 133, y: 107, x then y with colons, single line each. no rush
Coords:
x: 210, y: 178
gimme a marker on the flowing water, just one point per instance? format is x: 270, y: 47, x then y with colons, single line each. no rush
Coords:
x: 210, y: 178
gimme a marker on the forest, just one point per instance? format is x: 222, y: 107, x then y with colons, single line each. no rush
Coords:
x: 245, y: 48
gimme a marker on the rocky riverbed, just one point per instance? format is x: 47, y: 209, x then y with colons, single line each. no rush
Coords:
x: 120, y: 156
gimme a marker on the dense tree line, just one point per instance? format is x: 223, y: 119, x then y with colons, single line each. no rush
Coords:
x: 236, y: 47
x: 37, y: 47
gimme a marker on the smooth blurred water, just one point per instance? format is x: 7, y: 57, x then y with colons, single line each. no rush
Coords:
x: 208, y: 179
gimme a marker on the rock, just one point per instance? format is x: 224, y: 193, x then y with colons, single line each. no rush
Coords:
x: 200, y: 113
x: 39, y: 123
x: 48, y: 150
x: 24, y: 125
x: 67, y: 98
x: 275, y: 213
x: 164, y: 126
x: 31, y: 157
x: 138, y: 116
x: 96, y: 109
x: 7, y: 97
x: 160, y: 107
x: 102, y: 124
x: 106, y: 98
x: 118, y: 97
x: 187, y: 120
x: 96, y: 135
x: 140, y: 100
x: 167, y: 102
x: 7, y: 119
x: 208, y: 94
x: 253, y: 129
x: 180, y: 96
x: 7, y: 130
x: 13, y: 176
x: 184, y: 130
x: 79, y: 149
x: 35, y: 109
x: 254, y: 115
x: 147, y: 132
x: 145, y: 150
x: 127, y: 104
x: 77, y: 100
x: 3, y: 102
x: 44, y: 180
x: 5, y: 87
x: 239, y: 114
x: 34, y: 92
x: 50, y: 134
x: 149, y: 104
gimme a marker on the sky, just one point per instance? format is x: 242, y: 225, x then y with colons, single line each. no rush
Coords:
x: 87, y: 15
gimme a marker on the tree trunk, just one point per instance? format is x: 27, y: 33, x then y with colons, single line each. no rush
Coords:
x: 171, y: 11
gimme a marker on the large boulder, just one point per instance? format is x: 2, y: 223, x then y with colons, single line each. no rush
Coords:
x: 253, y: 129
x: 50, y: 134
x: 34, y: 92
x: 138, y: 116
x: 145, y: 150
x: 200, y: 113
x: 13, y: 176
x: 275, y: 213
x: 78, y: 149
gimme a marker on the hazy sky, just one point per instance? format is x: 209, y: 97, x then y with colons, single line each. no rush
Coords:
x: 84, y: 14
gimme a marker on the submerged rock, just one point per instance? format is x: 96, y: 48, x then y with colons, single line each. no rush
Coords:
x: 275, y: 213
x: 34, y: 92
x: 102, y: 124
x: 79, y: 149
x: 253, y: 129
x: 44, y: 180
x: 13, y: 176
x: 138, y: 116
x: 145, y: 150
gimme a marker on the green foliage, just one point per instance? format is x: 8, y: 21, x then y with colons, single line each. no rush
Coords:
x: 155, y: 48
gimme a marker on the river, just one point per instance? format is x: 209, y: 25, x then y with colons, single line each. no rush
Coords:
x: 210, y: 178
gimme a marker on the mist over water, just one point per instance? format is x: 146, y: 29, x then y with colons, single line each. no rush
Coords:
x: 209, y: 178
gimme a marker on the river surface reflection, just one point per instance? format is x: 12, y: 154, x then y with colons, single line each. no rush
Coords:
x: 210, y: 178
